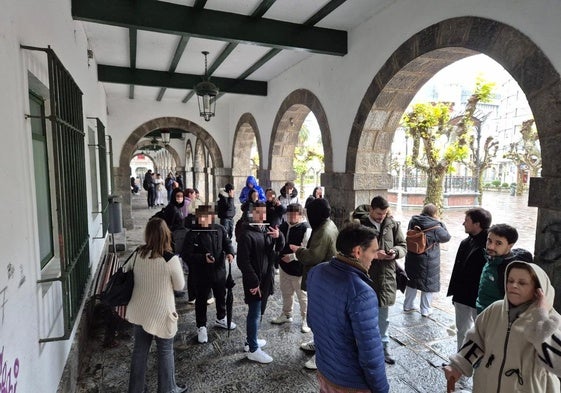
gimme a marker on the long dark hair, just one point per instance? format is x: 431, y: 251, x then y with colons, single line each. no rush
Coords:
x: 157, y: 237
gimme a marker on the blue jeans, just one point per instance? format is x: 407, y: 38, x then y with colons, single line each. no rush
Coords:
x: 166, y: 365
x: 252, y: 323
x: 384, y: 323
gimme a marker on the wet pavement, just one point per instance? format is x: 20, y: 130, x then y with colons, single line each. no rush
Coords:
x: 420, y: 345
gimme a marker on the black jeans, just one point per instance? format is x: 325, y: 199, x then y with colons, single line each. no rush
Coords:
x: 202, y: 291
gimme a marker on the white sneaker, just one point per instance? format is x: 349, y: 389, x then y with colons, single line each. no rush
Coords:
x: 311, y: 364
x: 259, y: 356
x: 202, y: 336
x: 283, y: 318
x: 310, y: 346
x: 260, y: 344
x: 305, y: 328
x: 210, y: 301
x: 222, y: 323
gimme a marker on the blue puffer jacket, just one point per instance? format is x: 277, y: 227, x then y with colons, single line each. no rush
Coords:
x: 343, y: 314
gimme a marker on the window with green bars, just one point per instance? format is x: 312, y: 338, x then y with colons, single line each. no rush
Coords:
x: 68, y: 215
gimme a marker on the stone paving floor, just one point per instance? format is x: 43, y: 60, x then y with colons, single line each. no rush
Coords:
x: 420, y: 345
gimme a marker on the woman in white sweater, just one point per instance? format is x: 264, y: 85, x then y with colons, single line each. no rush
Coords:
x: 157, y: 273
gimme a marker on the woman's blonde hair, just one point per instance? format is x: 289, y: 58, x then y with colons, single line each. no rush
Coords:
x: 157, y: 237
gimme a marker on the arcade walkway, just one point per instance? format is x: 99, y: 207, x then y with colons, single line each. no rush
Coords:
x: 420, y: 345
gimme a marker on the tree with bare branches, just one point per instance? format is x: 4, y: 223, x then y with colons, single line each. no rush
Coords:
x: 526, y: 152
x: 438, y: 144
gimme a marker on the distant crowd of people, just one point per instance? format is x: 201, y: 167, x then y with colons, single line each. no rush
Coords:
x: 345, y: 281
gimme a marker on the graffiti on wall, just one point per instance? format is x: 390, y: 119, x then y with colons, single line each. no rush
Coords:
x: 8, y: 374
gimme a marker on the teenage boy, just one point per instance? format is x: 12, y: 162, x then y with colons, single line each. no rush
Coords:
x: 295, y: 231
x: 205, y: 247
x: 500, y: 239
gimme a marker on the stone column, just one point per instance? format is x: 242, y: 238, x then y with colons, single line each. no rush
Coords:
x: 221, y: 176
x: 345, y: 191
x: 545, y: 195
x: 122, y: 188
x: 264, y: 176
x: 199, y: 180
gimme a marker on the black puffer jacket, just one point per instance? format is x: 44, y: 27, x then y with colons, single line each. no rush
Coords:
x: 225, y: 207
x: 470, y: 259
x: 423, y: 269
x: 200, y: 241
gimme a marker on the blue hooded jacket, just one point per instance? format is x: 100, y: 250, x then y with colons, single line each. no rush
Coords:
x: 244, y: 194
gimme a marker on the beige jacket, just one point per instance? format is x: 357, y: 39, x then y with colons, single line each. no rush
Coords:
x: 523, y: 356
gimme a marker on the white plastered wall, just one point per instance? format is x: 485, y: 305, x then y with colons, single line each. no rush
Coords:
x: 30, y: 311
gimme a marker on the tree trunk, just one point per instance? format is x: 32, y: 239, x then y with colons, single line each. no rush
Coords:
x: 479, y: 181
x: 435, y: 189
x: 519, y: 181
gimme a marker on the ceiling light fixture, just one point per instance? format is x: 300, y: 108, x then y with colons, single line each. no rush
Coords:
x: 206, y: 94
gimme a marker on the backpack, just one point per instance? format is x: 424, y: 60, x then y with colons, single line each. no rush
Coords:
x: 417, y: 240
x: 145, y: 184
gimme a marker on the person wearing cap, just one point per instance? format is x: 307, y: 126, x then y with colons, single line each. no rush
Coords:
x: 226, y: 209
x: 206, y: 247
x: 295, y: 231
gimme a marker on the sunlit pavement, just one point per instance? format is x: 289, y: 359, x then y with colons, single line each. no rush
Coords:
x: 420, y: 345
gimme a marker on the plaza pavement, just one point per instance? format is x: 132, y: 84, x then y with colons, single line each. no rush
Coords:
x: 420, y: 345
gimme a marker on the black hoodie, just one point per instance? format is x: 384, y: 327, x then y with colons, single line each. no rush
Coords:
x: 172, y: 212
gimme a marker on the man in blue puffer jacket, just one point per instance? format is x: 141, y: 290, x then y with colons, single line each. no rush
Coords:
x: 349, y: 351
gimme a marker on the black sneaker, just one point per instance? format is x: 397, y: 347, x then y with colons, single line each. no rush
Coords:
x: 387, y: 356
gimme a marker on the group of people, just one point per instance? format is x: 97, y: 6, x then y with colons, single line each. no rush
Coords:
x: 509, y: 335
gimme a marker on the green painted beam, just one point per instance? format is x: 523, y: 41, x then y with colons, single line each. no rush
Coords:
x: 323, y: 12
x: 172, y: 18
x: 133, y: 34
x: 262, y: 8
x: 124, y: 75
x: 175, y: 61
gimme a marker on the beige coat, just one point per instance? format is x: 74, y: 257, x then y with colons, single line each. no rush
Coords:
x: 522, y: 357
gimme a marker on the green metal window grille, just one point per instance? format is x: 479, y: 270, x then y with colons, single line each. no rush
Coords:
x: 103, y: 177
x: 68, y: 135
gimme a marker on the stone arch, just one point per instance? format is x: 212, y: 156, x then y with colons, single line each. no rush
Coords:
x: 130, y: 146
x: 246, y: 132
x: 416, y: 61
x: 284, y: 137
x: 169, y: 148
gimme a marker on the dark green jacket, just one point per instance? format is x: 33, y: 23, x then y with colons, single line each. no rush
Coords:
x: 382, y: 272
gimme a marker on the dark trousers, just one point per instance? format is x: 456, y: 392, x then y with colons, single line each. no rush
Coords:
x: 228, y: 224
x: 202, y: 292
x: 151, y: 198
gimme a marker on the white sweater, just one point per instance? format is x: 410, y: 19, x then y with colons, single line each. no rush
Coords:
x: 152, y: 304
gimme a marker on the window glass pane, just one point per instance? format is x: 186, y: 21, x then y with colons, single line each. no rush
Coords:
x: 42, y: 190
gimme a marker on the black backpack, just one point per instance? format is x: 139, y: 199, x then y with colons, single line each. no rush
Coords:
x: 145, y: 184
